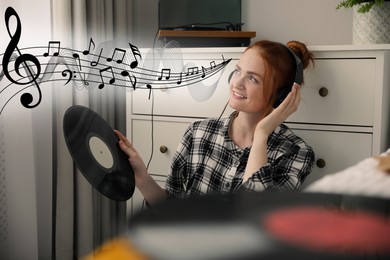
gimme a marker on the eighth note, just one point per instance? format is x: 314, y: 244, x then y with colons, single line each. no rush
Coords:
x: 86, y: 52
x: 56, y: 44
x: 113, y: 54
x: 192, y: 70
x: 165, y: 71
x: 111, y: 81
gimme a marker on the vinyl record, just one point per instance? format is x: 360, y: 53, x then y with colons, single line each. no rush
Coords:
x: 269, y: 225
x: 95, y: 150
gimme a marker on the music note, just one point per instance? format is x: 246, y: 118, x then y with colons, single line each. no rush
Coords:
x: 132, y: 78
x: 192, y: 70
x: 165, y: 71
x: 56, y: 45
x: 113, y: 55
x: 26, y: 99
x: 180, y: 79
x: 136, y: 53
x: 95, y: 63
x: 83, y: 77
x: 77, y: 57
x: 85, y: 81
x: 86, y: 52
x: 212, y: 65
x: 203, y: 72
x: 111, y: 81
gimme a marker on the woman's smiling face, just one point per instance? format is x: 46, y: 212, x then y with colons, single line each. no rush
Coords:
x: 246, y: 84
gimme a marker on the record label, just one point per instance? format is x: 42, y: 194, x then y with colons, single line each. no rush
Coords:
x: 341, y: 231
x: 95, y: 150
x: 101, y: 152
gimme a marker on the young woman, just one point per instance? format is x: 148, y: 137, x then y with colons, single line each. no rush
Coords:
x: 251, y: 150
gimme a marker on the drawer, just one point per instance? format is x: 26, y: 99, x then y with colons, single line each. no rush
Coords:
x: 167, y: 135
x: 338, y: 91
x: 334, y: 150
x: 137, y: 202
x: 206, y: 98
x: 337, y: 150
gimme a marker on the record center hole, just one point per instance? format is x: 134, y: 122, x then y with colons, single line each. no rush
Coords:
x: 101, y: 152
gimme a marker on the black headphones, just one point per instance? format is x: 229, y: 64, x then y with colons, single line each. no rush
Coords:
x: 283, y: 91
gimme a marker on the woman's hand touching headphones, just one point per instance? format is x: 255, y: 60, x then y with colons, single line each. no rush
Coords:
x: 289, y: 105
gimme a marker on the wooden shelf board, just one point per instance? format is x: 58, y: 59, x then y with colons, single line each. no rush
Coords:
x: 197, y: 33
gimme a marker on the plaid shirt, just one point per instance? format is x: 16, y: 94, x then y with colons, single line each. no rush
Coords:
x: 207, y: 161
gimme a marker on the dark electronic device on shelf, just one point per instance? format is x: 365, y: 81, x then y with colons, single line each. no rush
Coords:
x: 203, y: 23
x: 199, y: 15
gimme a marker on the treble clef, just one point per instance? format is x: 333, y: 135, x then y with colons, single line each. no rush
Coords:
x: 26, y: 99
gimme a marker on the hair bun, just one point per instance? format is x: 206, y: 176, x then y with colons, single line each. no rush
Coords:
x: 302, y: 52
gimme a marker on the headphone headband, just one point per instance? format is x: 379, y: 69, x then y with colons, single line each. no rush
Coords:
x: 298, y: 66
x: 283, y: 92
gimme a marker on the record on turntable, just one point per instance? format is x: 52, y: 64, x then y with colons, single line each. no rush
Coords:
x: 96, y: 152
x: 268, y: 225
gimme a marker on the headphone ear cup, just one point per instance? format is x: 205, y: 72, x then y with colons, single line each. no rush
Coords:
x: 281, y: 94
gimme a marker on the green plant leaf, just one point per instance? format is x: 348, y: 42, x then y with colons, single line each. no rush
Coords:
x: 365, y: 6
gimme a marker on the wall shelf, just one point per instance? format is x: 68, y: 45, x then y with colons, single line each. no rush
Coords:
x: 207, y: 38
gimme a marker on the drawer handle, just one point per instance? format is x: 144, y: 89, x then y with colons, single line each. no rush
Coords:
x: 320, y: 163
x: 163, y: 149
x: 323, y: 92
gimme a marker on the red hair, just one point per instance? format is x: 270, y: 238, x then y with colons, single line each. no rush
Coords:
x: 279, y: 68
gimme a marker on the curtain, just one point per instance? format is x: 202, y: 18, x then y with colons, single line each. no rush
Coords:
x: 82, y: 218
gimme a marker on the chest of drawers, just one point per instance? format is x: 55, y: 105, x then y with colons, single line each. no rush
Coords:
x: 343, y: 115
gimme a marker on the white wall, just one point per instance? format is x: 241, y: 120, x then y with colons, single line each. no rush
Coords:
x: 315, y: 22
